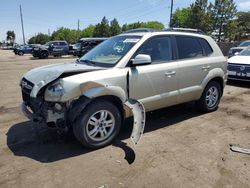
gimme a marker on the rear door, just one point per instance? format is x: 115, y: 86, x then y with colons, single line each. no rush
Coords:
x: 194, y: 65
x: 155, y: 85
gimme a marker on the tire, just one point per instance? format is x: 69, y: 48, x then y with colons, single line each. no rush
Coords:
x: 98, y: 125
x: 210, y: 98
x: 20, y: 53
x: 44, y: 55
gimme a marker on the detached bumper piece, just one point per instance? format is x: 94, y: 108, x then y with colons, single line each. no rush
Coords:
x: 139, y: 119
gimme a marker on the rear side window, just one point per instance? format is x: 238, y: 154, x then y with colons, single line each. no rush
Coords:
x: 62, y: 43
x: 188, y: 47
x: 206, y: 47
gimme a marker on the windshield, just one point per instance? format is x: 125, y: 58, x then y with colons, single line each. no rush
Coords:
x: 245, y: 52
x: 244, y: 44
x: 109, y: 52
x: 48, y: 43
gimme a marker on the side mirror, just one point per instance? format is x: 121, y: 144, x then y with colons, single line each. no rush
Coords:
x: 236, y: 53
x: 142, y: 59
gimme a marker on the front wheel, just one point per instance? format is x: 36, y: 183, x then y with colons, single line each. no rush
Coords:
x: 210, y: 98
x: 98, y: 124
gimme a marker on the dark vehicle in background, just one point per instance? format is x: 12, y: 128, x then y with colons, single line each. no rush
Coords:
x: 26, y: 49
x: 16, y: 47
x: 54, y: 48
x: 234, y: 50
x: 86, y: 44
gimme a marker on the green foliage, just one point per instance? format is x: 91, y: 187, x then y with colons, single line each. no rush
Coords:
x: 231, y: 30
x: 181, y: 18
x: 65, y: 34
x: 40, y: 38
x: 115, y: 28
x: 88, y: 31
x: 222, y: 12
x: 244, y: 22
x: 201, y: 17
x: 102, y: 29
x: 152, y: 24
x: 11, y: 36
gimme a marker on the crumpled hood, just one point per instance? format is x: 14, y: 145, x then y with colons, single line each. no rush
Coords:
x: 43, y: 75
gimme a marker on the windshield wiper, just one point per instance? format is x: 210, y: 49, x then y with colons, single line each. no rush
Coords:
x: 87, y: 61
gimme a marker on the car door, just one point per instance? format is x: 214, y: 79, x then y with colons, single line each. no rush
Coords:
x: 155, y: 84
x: 194, y: 66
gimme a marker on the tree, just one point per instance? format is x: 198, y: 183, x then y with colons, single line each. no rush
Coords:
x: 201, y: 16
x: 40, y: 38
x: 71, y: 36
x: 11, y: 36
x: 222, y: 12
x: 243, y: 19
x: 154, y: 25
x: 181, y: 18
x: 102, y: 29
x: 232, y: 30
x: 88, y: 31
x: 115, y: 28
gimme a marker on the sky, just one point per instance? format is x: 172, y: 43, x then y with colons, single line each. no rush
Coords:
x: 47, y: 15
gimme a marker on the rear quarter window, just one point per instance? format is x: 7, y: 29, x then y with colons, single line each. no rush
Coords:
x: 206, y: 47
x: 188, y: 47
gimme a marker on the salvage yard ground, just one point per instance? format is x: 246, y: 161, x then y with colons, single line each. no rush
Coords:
x: 180, y: 147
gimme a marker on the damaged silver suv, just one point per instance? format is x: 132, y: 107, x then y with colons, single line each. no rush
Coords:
x: 127, y: 75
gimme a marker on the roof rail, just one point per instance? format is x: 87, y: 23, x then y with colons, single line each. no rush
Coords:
x: 190, y: 30
x: 140, y: 30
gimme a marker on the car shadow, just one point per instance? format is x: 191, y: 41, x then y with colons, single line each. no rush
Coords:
x: 237, y: 83
x: 45, y: 145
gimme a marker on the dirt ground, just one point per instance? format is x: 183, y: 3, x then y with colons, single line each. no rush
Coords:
x: 180, y: 148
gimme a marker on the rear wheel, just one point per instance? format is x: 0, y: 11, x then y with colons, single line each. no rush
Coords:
x: 20, y: 53
x: 210, y: 98
x: 44, y: 55
x: 98, y: 124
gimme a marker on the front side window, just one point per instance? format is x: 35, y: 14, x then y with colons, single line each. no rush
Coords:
x: 188, y: 47
x: 158, y: 48
x: 109, y: 52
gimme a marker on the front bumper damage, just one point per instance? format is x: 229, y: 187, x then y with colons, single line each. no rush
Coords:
x: 63, y: 119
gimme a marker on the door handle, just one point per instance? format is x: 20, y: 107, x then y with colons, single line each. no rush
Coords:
x: 170, y: 73
x: 206, y: 67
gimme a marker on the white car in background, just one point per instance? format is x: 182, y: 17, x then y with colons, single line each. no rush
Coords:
x: 239, y: 66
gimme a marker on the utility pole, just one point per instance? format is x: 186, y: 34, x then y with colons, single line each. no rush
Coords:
x: 171, y: 13
x: 49, y: 32
x: 22, y: 23
x: 78, y: 28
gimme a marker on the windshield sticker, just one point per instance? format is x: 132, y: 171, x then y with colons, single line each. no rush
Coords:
x: 131, y: 40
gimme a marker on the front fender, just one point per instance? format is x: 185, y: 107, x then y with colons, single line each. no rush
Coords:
x: 93, y: 90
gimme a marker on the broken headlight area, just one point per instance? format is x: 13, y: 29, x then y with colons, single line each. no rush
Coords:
x: 55, y: 91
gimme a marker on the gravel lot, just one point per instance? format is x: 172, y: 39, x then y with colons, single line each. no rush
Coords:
x: 180, y: 148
